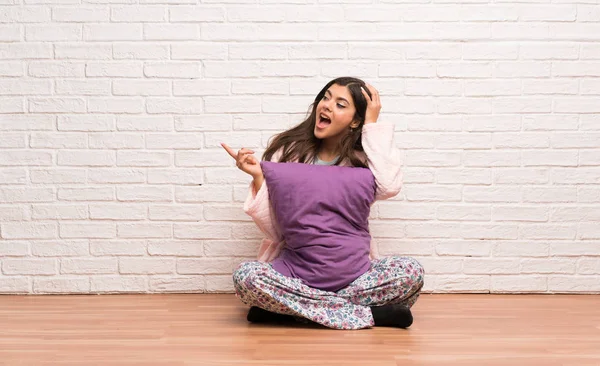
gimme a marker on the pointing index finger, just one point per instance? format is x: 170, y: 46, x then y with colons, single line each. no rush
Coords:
x: 229, y: 151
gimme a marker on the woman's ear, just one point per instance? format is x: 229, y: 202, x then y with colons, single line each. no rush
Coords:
x: 354, y: 124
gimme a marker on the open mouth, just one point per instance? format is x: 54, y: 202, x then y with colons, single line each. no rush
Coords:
x: 323, y: 122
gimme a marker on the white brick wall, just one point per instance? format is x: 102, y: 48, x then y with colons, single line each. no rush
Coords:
x: 111, y: 114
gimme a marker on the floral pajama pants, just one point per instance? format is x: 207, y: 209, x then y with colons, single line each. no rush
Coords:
x: 390, y: 280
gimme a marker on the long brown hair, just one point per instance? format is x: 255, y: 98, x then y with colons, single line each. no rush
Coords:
x: 299, y: 143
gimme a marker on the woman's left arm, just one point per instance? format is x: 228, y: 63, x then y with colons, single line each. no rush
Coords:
x: 383, y: 157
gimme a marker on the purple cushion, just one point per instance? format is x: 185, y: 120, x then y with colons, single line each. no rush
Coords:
x: 323, y: 213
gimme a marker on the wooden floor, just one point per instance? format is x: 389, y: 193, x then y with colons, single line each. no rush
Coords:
x: 212, y: 330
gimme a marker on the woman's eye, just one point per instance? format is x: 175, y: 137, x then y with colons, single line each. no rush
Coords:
x: 341, y: 106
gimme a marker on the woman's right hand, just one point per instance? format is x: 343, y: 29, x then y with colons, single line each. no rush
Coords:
x: 245, y: 161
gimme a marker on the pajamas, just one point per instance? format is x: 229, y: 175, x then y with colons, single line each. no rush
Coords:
x: 390, y: 280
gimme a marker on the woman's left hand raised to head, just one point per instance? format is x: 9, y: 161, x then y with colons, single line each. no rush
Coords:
x: 373, y: 104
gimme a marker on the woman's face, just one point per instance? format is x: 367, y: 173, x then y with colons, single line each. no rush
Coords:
x: 335, y: 113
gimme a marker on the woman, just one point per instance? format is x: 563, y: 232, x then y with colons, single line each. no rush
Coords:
x: 343, y: 130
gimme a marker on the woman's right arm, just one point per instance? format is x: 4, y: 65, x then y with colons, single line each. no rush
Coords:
x: 258, y: 206
x: 257, y: 182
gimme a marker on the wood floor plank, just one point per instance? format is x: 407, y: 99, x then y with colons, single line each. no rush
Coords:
x: 211, y: 329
